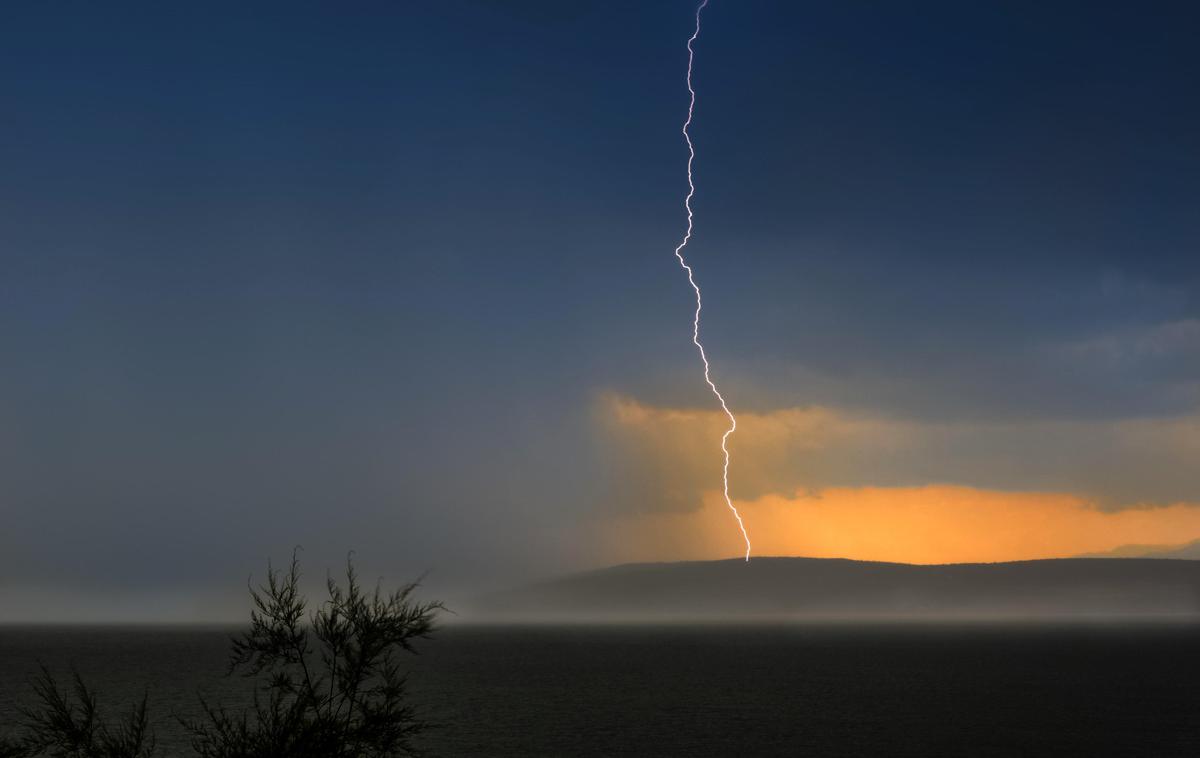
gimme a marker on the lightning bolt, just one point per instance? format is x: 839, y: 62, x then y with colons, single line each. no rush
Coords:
x: 687, y: 204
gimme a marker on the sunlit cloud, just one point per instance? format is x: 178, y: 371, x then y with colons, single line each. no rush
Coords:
x: 824, y: 482
x: 661, y: 459
x: 930, y: 524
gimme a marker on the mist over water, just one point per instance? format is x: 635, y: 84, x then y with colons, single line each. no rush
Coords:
x: 805, y: 589
x: 817, y: 689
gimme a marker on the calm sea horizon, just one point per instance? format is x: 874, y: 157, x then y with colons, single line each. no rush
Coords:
x: 984, y: 689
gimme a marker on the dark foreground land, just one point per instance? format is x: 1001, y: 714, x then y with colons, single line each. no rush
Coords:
x: 812, y: 689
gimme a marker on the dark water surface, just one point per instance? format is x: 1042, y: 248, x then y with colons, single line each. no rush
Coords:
x: 804, y: 690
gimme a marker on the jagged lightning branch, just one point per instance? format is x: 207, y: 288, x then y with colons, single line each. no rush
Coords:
x: 687, y: 204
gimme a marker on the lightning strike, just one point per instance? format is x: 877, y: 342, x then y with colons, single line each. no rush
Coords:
x: 687, y: 204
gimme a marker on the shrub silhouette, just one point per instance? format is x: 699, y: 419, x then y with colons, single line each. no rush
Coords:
x: 70, y: 725
x: 329, y: 684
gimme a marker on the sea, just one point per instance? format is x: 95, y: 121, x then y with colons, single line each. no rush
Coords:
x: 783, y: 689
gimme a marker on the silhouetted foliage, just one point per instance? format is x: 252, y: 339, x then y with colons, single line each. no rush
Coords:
x: 334, y: 686
x: 70, y: 725
x: 329, y: 684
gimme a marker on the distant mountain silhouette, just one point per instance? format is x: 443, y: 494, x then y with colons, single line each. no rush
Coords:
x: 1186, y: 551
x: 835, y: 587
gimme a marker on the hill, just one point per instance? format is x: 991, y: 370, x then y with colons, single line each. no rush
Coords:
x: 786, y: 587
x: 1188, y: 551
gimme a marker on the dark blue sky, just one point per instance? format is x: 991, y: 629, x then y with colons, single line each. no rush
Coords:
x: 352, y: 276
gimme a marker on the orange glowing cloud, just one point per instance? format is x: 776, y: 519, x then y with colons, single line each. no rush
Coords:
x: 928, y: 524
x: 668, y: 459
x: 665, y: 459
x: 824, y: 482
